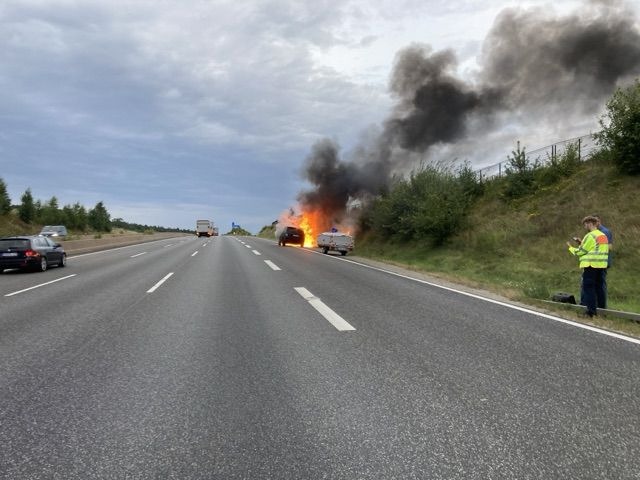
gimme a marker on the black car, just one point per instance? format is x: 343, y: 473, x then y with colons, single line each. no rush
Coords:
x: 291, y: 235
x: 30, y: 252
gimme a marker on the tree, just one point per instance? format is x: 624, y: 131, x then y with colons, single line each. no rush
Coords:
x: 74, y: 216
x: 50, y: 213
x: 27, y: 209
x: 5, y: 201
x: 621, y: 129
x: 520, y: 173
x: 99, y: 219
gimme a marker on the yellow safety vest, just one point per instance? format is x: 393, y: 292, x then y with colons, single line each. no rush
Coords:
x: 593, y: 251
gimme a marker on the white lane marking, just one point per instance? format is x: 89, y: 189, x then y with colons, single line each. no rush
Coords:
x: 137, y: 254
x: 194, y: 253
x: 334, y: 319
x: 257, y: 252
x: 168, y: 245
x: 272, y: 265
x: 497, y: 302
x: 248, y: 246
x: 204, y: 244
x: 38, y: 286
x: 117, y: 248
x: 155, y: 287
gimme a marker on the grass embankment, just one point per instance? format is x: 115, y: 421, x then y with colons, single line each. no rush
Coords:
x: 518, y: 248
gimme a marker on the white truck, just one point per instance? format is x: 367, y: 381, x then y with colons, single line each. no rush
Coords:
x: 204, y: 228
x: 335, y: 241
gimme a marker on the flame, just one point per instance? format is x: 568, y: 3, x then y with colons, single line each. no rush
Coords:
x: 312, y: 223
x: 309, y: 224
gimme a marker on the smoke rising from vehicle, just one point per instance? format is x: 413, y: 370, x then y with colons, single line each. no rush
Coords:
x: 532, y: 65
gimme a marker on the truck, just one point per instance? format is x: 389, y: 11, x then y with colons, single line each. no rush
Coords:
x: 204, y: 228
x: 335, y: 241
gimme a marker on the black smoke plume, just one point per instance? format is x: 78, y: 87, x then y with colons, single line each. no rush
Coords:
x: 532, y: 65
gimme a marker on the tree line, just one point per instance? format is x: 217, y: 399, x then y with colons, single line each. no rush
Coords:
x: 75, y: 217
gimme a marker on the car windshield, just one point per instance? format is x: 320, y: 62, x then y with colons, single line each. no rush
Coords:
x: 7, y: 243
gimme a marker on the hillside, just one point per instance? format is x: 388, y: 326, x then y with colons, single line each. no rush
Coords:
x: 518, y: 248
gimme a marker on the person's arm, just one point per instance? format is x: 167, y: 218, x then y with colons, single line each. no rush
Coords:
x: 588, y: 243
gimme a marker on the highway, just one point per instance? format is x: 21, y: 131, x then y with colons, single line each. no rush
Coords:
x: 234, y: 358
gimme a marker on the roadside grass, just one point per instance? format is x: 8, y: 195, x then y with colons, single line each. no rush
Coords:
x: 518, y: 249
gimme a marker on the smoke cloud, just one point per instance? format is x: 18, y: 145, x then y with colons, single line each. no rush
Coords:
x: 532, y: 64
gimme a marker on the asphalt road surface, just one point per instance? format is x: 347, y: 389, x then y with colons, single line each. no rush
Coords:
x: 234, y: 358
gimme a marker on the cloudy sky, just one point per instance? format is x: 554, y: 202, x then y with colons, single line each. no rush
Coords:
x: 173, y: 110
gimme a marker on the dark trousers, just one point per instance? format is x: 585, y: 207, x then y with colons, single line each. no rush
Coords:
x: 593, y: 293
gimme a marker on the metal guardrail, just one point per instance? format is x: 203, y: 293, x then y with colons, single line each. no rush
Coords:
x: 586, y: 146
x: 605, y: 311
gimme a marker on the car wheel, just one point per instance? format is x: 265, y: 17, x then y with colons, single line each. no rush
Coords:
x: 325, y: 250
x: 42, y: 267
x: 343, y: 253
x: 63, y: 260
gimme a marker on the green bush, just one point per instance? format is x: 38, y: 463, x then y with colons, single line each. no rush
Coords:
x: 559, y: 166
x: 430, y: 205
x: 621, y: 129
x: 520, y: 174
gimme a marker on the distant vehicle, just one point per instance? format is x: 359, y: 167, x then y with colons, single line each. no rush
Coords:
x: 291, y: 235
x: 215, y: 231
x: 54, y: 231
x: 335, y: 241
x: 204, y: 228
x: 33, y: 252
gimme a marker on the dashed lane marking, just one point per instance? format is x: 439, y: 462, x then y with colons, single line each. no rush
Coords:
x: 332, y: 317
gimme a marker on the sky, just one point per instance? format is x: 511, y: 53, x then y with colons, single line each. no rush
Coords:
x: 172, y: 111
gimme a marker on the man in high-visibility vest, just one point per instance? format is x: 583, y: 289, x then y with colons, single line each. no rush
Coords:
x: 593, y: 252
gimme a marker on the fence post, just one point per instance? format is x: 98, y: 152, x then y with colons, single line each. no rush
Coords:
x: 579, y: 149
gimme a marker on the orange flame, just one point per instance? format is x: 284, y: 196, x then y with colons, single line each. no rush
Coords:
x: 312, y: 223
x: 309, y: 224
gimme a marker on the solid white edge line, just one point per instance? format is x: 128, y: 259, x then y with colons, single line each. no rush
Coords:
x: 497, y: 302
x: 256, y: 252
x: 332, y: 317
x: 38, y: 286
x: 272, y: 265
x: 155, y: 287
x: 194, y: 253
x: 137, y: 254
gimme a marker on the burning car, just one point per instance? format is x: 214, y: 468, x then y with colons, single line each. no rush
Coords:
x: 291, y: 235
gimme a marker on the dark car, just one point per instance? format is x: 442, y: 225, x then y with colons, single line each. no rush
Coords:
x: 291, y: 235
x: 30, y: 252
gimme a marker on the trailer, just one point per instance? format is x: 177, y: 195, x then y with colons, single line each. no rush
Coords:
x: 335, y: 241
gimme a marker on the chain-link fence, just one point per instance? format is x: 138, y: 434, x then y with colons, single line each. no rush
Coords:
x: 586, y: 146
